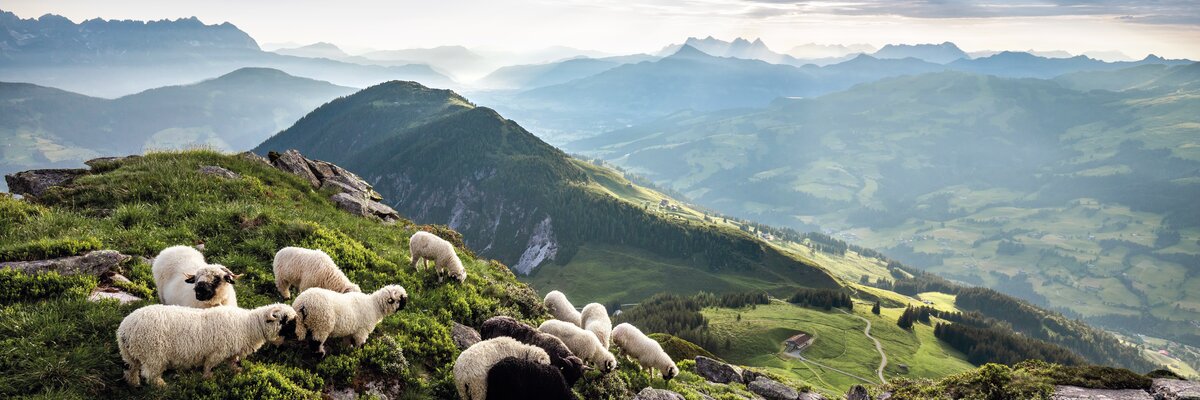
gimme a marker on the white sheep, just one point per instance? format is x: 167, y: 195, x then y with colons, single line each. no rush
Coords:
x: 325, y: 313
x: 472, y: 365
x: 183, y: 278
x: 425, y: 246
x: 646, y: 351
x: 561, y: 308
x: 594, y: 319
x: 155, y: 338
x: 305, y: 268
x: 582, y: 343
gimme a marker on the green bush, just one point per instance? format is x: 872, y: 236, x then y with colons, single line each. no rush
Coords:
x: 46, y: 248
x: 16, y: 286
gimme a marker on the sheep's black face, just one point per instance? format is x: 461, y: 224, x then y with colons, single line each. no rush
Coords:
x: 670, y: 373
x: 572, y: 369
x: 288, y: 328
x: 205, y: 291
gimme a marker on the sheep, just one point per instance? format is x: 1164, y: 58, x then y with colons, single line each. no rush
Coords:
x: 183, y: 278
x: 584, y: 344
x: 572, y: 367
x: 325, y: 313
x: 516, y: 379
x: 472, y: 365
x: 426, y: 246
x: 305, y: 268
x: 646, y: 351
x: 561, y: 308
x: 594, y: 319
x: 155, y: 338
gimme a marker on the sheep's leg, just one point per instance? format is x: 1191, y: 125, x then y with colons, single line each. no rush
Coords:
x: 360, y: 338
x: 414, y: 262
x: 320, y: 340
x: 208, y: 366
x: 133, y: 374
x: 235, y: 364
x: 153, y: 373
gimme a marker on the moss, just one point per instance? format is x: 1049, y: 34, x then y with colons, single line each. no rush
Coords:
x: 47, y: 248
x: 16, y: 286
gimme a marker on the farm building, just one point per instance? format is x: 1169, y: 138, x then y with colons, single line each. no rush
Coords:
x: 798, y: 342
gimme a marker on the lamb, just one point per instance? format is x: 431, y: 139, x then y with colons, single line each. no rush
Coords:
x: 516, y: 379
x: 183, y: 278
x: 325, y: 313
x: 572, y: 367
x: 426, y: 246
x: 155, y: 338
x: 646, y: 351
x: 472, y: 365
x: 305, y: 268
x: 594, y: 318
x: 561, y: 308
x: 584, y: 344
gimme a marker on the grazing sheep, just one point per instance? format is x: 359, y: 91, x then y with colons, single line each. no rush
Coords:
x: 472, y: 366
x: 516, y: 379
x: 561, y: 308
x: 155, y: 338
x: 594, y: 319
x: 426, y: 246
x: 646, y: 351
x: 325, y: 313
x: 305, y: 268
x: 584, y: 344
x: 183, y: 278
x: 572, y: 367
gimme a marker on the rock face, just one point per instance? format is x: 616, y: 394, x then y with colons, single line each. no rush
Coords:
x: 463, y: 336
x: 218, y: 171
x: 650, y: 393
x: 35, y: 182
x: 772, y: 390
x: 1078, y: 393
x: 354, y: 194
x: 858, y: 392
x: 1174, y: 389
x: 96, y: 263
x: 716, y: 371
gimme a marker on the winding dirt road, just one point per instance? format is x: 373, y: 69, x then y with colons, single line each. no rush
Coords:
x: 878, y: 346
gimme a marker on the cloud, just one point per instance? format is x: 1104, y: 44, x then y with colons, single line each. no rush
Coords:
x: 1174, y: 12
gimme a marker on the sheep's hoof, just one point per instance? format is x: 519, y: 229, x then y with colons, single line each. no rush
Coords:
x: 133, y: 379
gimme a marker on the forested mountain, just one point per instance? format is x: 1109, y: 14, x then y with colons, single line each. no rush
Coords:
x: 43, y: 127
x: 439, y: 159
x: 1077, y: 200
x: 111, y: 58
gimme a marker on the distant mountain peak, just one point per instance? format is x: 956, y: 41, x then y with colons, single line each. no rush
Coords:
x: 688, y: 51
x: 943, y: 53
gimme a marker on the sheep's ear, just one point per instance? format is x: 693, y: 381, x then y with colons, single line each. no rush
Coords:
x: 189, y: 278
x: 229, y: 278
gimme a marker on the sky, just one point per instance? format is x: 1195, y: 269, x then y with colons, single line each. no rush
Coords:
x: 1169, y: 28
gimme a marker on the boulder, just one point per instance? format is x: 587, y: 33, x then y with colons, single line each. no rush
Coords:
x: 219, y: 172
x: 96, y: 263
x: 463, y: 336
x: 772, y: 390
x: 113, y: 293
x: 858, y: 392
x: 352, y: 204
x: 716, y: 371
x: 810, y: 396
x: 1174, y: 389
x: 1078, y: 393
x: 253, y: 157
x: 749, y: 375
x: 292, y: 162
x: 37, y: 181
x: 650, y: 393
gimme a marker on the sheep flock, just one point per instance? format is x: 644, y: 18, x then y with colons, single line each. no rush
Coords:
x: 199, y: 325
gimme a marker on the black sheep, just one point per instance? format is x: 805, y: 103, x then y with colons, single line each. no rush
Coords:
x: 572, y: 367
x: 516, y: 379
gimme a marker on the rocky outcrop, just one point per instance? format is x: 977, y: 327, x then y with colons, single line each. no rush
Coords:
x: 1174, y: 389
x: 101, y: 163
x: 35, y: 182
x: 716, y: 371
x: 463, y: 336
x: 218, y: 172
x: 354, y: 195
x: 97, y: 263
x: 1078, y: 393
x: 858, y: 392
x: 772, y: 390
x: 650, y: 393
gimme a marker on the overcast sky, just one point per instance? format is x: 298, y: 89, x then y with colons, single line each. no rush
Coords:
x: 1168, y: 28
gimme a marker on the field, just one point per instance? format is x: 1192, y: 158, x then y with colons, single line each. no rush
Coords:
x: 756, y: 340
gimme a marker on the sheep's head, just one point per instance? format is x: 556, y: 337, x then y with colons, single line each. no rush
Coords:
x: 572, y: 369
x: 670, y: 373
x: 392, y: 298
x: 207, y: 280
x: 608, y: 365
x: 280, y: 322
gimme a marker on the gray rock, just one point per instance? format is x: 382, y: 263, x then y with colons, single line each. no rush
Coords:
x: 102, y: 162
x: 292, y: 162
x: 749, y: 375
x: 35, y: 182
x: 118, y: 278
x: 858, y: 392
x: 96, y: 263
x: 1078, y: 393
x: 219, y: 172
x: 885, y: 396
x: 114, y: 294
x: 463, y: 336
x: 253, y: 157
x: 810, y: 396
x: 772, y: 390
x: 387, y: 214
x: 716, y: 371
x: 650, y: 393
x: 1174, y: 389
x: 352, y: 204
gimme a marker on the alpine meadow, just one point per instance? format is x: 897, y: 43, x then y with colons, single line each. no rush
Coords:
x: 648, y: 200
